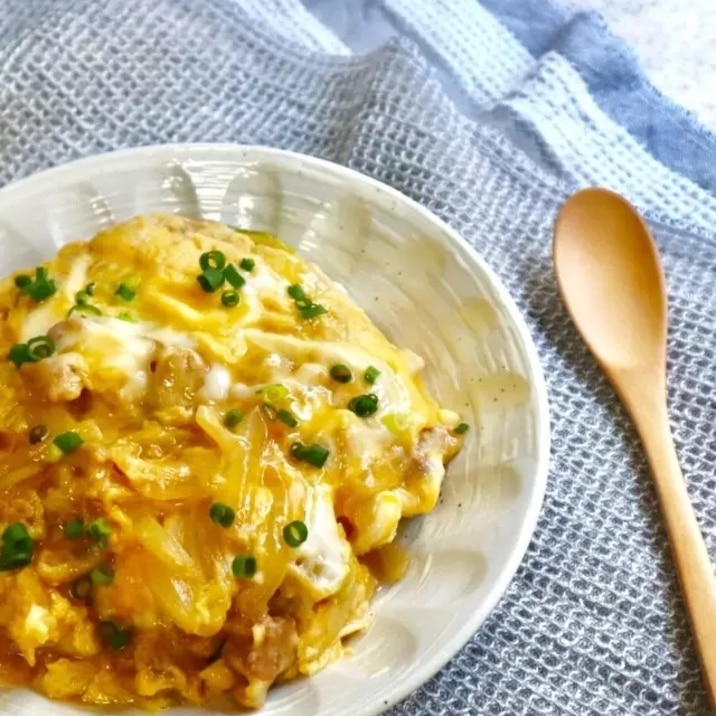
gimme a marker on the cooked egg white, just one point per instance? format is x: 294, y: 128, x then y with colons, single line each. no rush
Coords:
x: 200, y: 429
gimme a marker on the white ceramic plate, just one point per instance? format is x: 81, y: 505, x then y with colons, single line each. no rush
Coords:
x: 429, y: 291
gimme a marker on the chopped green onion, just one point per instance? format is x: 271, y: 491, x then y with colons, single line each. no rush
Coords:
x: 243, y: 566
x: 84, y: 309
x: 274, y: 393
x: 371, y: 374
x: 126, y: 293
x: 212, y: 260
x: 222, y: 514
x: 14, y: 560
x: 40, y: 291
x: 68, y: 442
x: 112, y: 635
x: 247, y: 264
x: 364, y: 405
x: 34, y: 350
x: 37, y: 434
x: 40, y: 347
x: 17, y: 547
x: 233, y: 276
x: 296, y: 292
x: 20, y: 354
x: 75, y: 528
x: 127, y: 316
x: 287, y: 417
x: 230, y: 299
x: 15, y: 533
x: 81, y: 298
x: 81, y: 589
x: 462, y: 428
x: 89, y: 288
x: 313, y: 310
x: 22, y: 280
x: 100, y: 531
x: 341, y: 373
x: 397, y: 423
x: 103, y: 575
x: 312, y: 454
x: 232, y: 418
x: 211, y: 279
x: 40, y: 288
x: 295, y: 533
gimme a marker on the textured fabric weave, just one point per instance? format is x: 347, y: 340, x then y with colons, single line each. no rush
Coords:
x: 489, y: 114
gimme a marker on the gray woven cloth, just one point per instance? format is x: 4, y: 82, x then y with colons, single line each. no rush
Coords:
x: 593, y: 622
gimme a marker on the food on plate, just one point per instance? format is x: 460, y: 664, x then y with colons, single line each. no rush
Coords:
x: 207, y: 449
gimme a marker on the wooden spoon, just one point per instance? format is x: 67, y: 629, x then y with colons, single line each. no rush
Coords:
x: 611, y: 280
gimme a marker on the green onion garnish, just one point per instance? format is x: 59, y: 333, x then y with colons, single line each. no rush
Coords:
x: 84, y: 309
x: 89, y: 288
x: 341, y: 373
x: 68, y: 442
x: 40, y: 288
x: 34, y: 350
x: 81, y: 589
x: 211, y: 279
x: 462, y: 428
x: 222, y: 514
x: 100, y: 531
x: 103, y: 575
x: 312, y: 454
x: 296, y: 292
x: 126, y: 293
x: 17, y: 547
x: 127, y: 316
x: 370, y: 375
x: 20, y: 354
x: 247, y: 264
x: 212, y: 260
x: 75, y: 528
x: 232, y: 418
x: 295, y: 533
x: 37, y: 434
x: 313, y: 310
x: 243, y: 566
x: 233, y: 276
x: 230, y: 299
x: 22, y: 280
x: 287, y: 417
x: 364, y: 405
x: 112, y: 635
x: 40, y: 347
x: 81, y: 298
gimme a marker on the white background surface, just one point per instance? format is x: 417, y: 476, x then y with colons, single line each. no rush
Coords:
x: 676, y: 41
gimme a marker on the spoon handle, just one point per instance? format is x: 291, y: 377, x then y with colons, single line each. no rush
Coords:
x: 691, y: 559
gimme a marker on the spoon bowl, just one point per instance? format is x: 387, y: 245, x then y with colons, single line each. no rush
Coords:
x: 611, y: 280
x: 608, y: 267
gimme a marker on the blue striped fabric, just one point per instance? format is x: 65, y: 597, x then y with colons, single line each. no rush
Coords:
x: 489, y: 113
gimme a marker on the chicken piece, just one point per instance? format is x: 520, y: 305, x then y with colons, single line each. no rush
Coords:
x: 60, y: 377
x: 261, y: 658
x: 176, y: 375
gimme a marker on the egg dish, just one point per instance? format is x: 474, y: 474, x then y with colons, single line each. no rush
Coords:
x: 206, y: 450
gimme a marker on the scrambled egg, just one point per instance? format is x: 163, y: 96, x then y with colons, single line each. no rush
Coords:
x: 206, y: 452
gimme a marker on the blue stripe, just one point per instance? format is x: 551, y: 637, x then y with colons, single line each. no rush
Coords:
x: 616, y: 82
